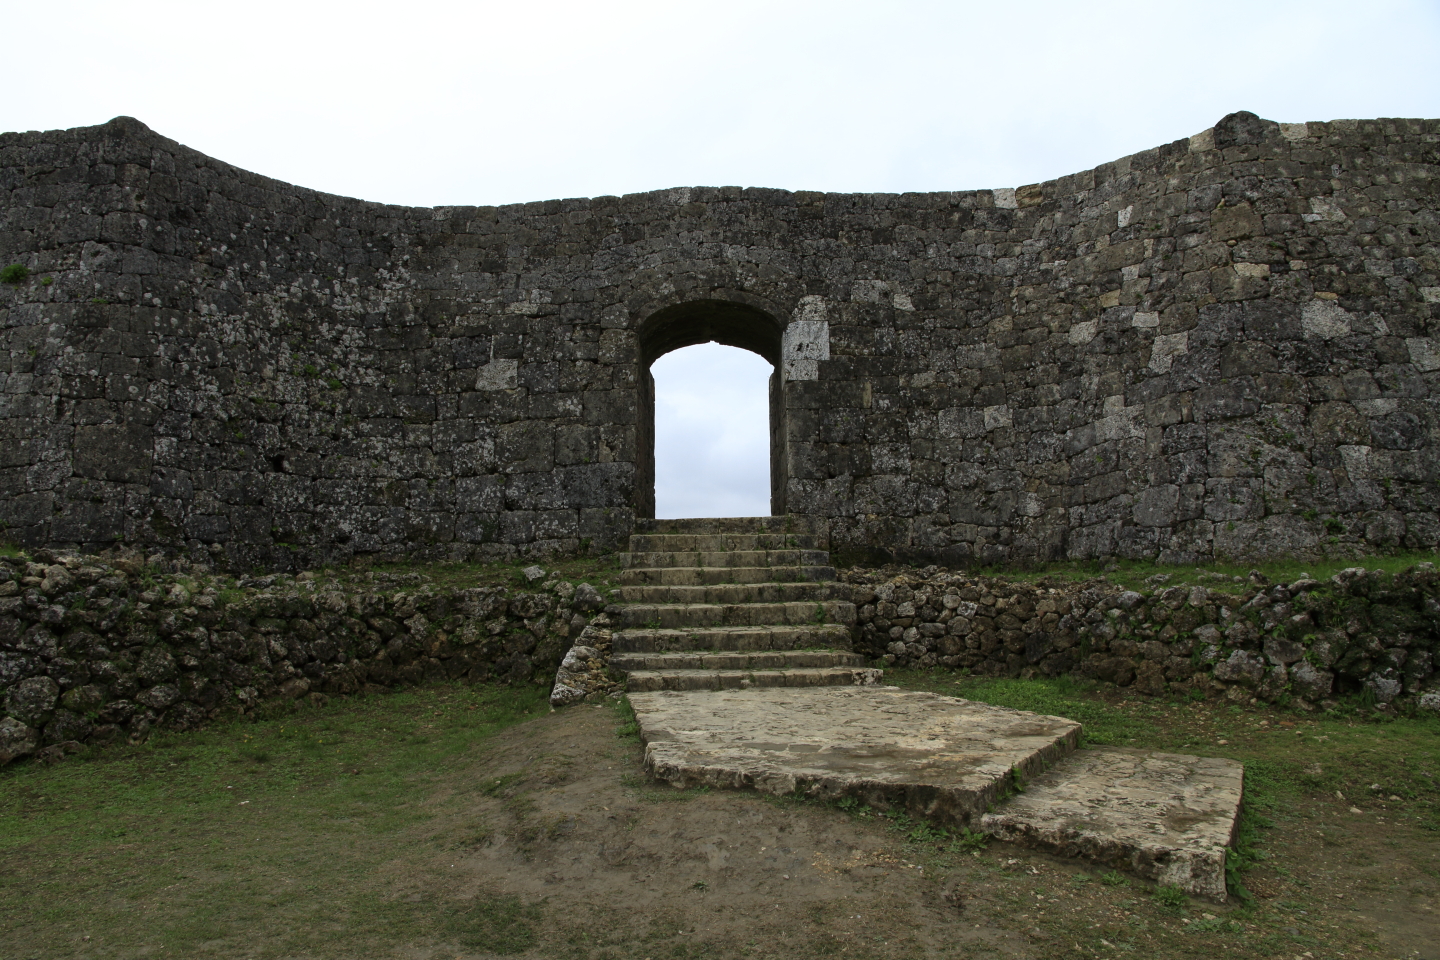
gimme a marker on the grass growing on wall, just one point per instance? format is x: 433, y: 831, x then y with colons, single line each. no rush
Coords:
x: 1146, y: 575
x: 602, y: 572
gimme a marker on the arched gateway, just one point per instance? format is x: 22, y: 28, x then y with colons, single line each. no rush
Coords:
x: 732, y: 323
x: 1224, y: 346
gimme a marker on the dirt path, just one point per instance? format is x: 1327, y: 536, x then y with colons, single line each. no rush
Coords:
x: 620, y: 867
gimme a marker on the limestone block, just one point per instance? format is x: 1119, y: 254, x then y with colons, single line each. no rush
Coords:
x: 938, y: 757
x: 16, y: 740
x: 32, y: 701
x: 1166, y: 817
x: 498, y: 375
x: 806, y: 342
x: 1325, y: 319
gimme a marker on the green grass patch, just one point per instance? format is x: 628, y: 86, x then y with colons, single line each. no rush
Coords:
x: 185, y: 843
x: 629, y: 724
x: 1390, y: 766
x: 601, y: 572
x: 1145, y: 575
x: 502, y: 925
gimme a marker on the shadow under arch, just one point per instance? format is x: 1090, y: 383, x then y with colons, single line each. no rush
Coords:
x: 730, y: 323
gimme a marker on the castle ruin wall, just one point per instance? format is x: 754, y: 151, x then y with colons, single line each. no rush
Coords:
x: 1222, y: 347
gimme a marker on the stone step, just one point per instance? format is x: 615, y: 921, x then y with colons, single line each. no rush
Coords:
x: 716, y: 525
x: 652, y: 640
x: 756, y: 660
x: 736, y: 593
x: 724, y: 558
x: 1168, y: 817
x: 645, y: 681
x: 720, y: 542
x: 941, y: 758
x: 700, y: 576
x: 676, y: 616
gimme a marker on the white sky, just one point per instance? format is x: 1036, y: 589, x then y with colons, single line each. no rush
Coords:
x: 712, y: 439
x: 486, y: 102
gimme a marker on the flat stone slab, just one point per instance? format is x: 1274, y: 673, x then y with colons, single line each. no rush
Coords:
x: 1164, y: 816
x: 937, y: 757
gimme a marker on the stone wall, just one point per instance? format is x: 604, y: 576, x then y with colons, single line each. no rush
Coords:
x: 93, y: 650
x: 1224, y: 346
x: 1305, y: 642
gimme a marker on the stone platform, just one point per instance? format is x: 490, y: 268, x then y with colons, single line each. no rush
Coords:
x: 1163, y: 816
x: 1166, y: 817
x: 940, y: 758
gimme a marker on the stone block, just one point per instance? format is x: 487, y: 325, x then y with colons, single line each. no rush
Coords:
x: 937, y: 757
x: 1166, y: 817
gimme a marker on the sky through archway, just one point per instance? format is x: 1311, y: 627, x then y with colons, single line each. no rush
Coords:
x: 712, y: 433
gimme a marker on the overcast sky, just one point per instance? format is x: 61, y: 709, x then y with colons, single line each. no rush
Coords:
x: 481, y: 102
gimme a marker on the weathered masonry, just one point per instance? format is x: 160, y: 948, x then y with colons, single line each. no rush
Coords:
x: 1221, y: 346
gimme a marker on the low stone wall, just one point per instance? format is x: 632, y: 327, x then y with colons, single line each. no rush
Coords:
x: 1305, y: 642
x: 94, y: 650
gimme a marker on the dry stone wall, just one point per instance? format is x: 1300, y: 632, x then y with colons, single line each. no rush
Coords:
x: 1308, y: 642
x: 1224, y: 346
x: 93, y: 650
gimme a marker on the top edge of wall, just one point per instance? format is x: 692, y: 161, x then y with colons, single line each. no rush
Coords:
x: 1237, y: 129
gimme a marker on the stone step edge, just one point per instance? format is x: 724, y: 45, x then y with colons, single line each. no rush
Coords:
x: 642, y: 542
x: 714, y: 526
x: 643, y: 681
x: 756, y: 585
x: 827, y: 574
x: 694, y: 632
x: 723, y: 559
x: 619, y: 660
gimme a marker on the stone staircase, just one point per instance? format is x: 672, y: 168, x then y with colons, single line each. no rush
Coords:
x: 735, y: 639
x: 720, y: 604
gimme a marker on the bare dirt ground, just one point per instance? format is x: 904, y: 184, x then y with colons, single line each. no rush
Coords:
x: 403, y: 827
x: 619, y: 867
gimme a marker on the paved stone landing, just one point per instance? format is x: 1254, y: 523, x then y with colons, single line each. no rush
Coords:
x: 1166, y: 817
x: 937, y: 757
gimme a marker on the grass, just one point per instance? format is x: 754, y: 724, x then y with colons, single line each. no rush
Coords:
x: 629, y: 724
x: 601, y: 572
x: 1144, y: 575
x: 190, y: 839
x: 1387, y: 765
x: 334, y: 832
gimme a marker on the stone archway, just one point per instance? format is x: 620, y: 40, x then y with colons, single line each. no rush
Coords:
x: 727, y: 322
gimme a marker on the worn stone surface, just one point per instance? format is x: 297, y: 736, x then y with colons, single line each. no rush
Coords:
x: 938, y: 757
x: 1222, y: 346
x: 790, y: 628
x: 1166, y: 817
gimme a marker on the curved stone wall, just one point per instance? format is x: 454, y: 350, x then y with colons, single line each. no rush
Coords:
x: 1222, y: 346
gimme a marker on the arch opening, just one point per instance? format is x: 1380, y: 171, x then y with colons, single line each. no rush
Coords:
x: 697, y: 322
x: 712, y: 437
